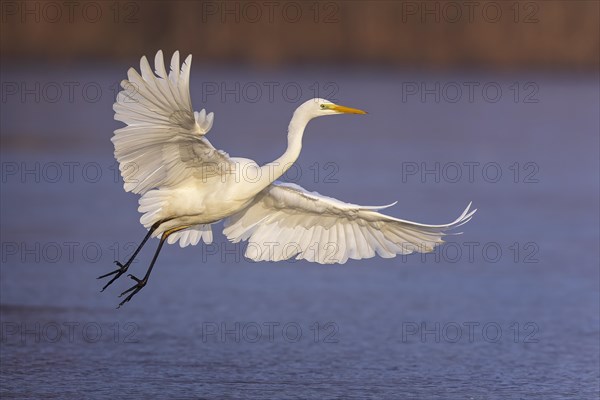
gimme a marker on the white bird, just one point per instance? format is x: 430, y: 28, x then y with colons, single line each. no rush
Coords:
x: 187, y: 185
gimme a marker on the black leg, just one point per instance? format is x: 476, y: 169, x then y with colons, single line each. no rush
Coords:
x: 124, y: 267
x: 142, y: 282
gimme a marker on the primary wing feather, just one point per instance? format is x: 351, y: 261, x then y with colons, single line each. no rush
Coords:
x: 163, y: 142
x: 286, y: 221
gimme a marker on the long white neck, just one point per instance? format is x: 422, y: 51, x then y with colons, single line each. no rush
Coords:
x: 273, y: 170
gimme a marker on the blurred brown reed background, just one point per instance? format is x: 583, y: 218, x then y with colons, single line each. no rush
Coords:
x: 423, y: 34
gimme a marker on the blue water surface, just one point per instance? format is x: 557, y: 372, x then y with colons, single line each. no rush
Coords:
x: 507, y: 310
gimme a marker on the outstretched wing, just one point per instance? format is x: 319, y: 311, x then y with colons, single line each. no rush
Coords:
x: 287, y: 221
x: 163, y: 142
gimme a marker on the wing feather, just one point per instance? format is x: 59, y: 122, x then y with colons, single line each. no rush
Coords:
x: 192, y: 236
x: 285, y: 214
x: 162, y: 144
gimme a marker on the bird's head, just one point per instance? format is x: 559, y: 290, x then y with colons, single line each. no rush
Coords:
x: 319, y: 107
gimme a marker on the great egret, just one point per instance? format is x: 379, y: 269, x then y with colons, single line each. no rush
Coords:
x: 187, y: 185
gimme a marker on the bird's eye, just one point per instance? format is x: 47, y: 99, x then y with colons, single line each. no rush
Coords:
x: 322, y: 106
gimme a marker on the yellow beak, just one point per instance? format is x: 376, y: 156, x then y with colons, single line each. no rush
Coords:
x: 345, y: 110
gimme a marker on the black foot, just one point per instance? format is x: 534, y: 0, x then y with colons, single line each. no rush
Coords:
x: 134, y: 289
x: 117, y: 272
